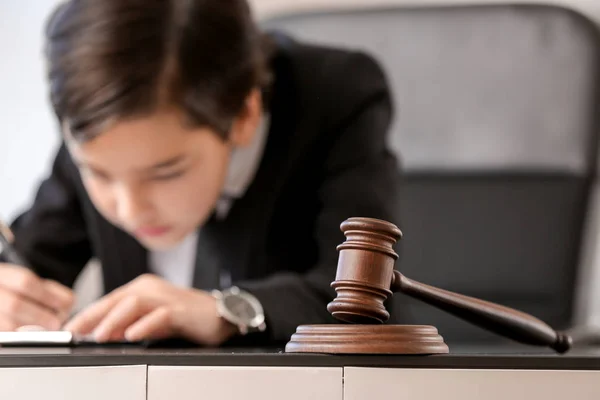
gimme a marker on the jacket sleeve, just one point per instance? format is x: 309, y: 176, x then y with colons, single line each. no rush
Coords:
x: 51, y: 235
x: 361, y: 179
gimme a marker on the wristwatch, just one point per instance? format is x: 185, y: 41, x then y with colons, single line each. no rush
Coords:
x: 241, y: 309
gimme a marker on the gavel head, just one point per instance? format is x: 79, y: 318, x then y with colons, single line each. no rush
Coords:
x: 365, y: 271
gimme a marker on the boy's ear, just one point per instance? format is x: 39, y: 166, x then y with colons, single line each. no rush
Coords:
x: 246, y: 124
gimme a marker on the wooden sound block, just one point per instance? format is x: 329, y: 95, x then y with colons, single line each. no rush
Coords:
x: 367, y: 339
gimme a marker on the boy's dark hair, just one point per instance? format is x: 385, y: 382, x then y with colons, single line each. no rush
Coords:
x: 117, y: 59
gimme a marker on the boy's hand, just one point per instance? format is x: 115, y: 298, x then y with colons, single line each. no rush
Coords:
x: 152, y: 308
x: 26, y: 299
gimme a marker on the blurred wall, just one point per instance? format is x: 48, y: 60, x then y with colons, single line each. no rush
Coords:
x: 265, y: 8
x: 27, y: 130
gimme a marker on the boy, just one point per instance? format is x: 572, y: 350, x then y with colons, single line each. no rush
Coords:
x: 198, y: 154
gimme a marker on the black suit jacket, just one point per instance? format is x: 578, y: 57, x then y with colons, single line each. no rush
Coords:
x: 325, y: 160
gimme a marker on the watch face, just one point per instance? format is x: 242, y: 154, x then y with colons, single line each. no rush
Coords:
x: 240, y: 307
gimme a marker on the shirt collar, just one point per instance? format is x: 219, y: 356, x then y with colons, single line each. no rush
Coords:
x: 243, y: 165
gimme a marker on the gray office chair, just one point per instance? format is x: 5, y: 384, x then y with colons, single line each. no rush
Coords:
x: 497, y: 131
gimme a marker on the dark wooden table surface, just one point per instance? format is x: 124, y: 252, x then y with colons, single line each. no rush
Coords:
x: 496, y: 357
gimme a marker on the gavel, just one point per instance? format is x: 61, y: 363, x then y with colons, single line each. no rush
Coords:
x: 366, y: 278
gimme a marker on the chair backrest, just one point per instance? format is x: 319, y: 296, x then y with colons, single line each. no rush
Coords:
x: 497, y: 129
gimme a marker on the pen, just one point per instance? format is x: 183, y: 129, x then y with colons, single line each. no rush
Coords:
x: 7, y: 250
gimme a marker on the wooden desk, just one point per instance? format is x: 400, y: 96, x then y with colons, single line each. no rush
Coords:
x: 265, y: 374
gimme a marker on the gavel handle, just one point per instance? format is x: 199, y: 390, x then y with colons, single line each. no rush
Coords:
x: 502, y: 320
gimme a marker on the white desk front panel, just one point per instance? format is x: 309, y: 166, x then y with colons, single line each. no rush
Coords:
x: 455, y: 384
x: 247, y: 383
x: 74, y: 383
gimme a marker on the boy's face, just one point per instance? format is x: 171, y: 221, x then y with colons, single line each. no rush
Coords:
x: 155, y: 178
